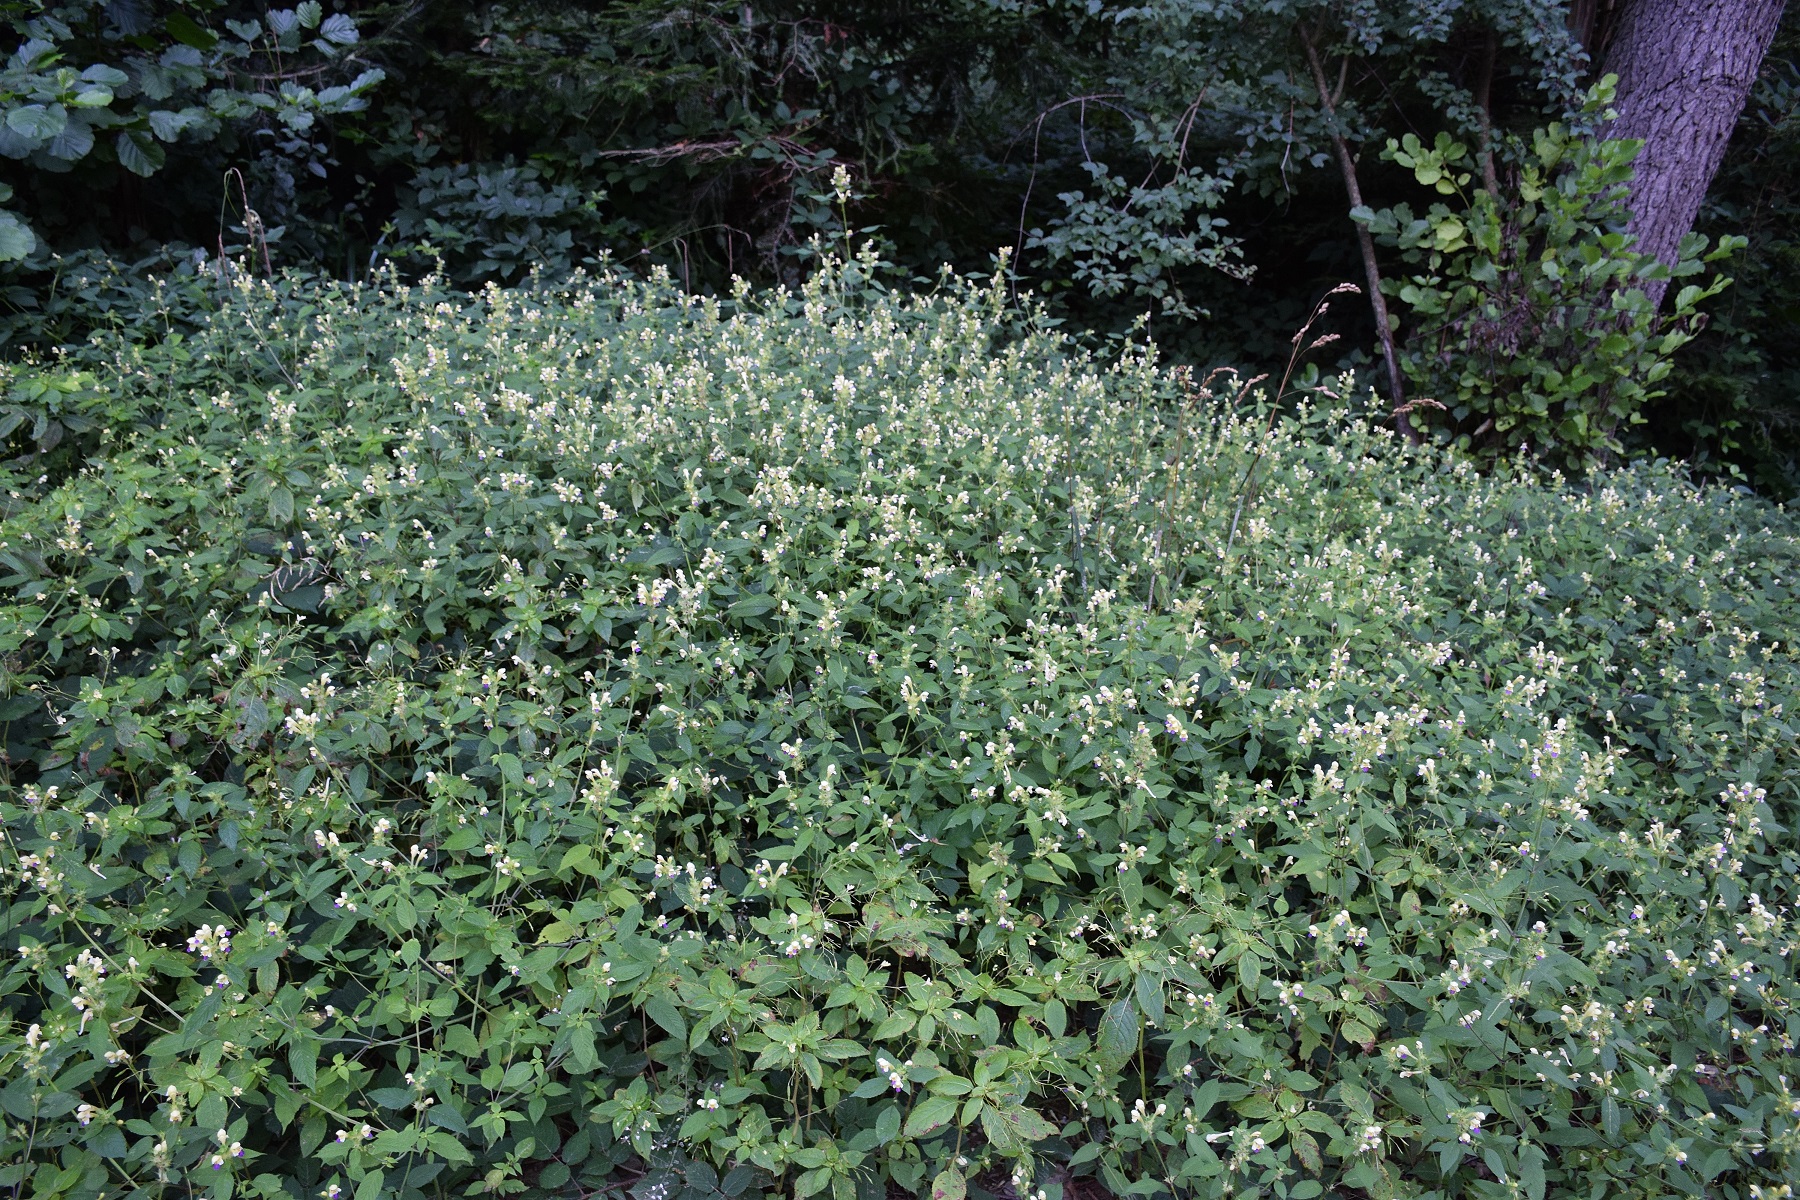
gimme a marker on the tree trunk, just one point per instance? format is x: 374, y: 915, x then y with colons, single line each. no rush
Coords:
x: 1384, y: 326
x: 1591, y: 21
x: 1685, y: 68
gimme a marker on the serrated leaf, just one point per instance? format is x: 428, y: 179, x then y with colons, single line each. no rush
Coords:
x: 664, y: 1013
x: 949, y: 1185
x: 459, y: 1040
x: 1012, y: 1129
x: 752, y: 606
x: 73, y: 143
x: 1149, y: 993
x: 138, y: 153
x: 1056, y: 1018
x: 168, y: 123
x: 303, y: 1058
x: 1306, y: 1149
x: 930, y: 1114
x: 18, y: 1098
x: 16, y: 238
x: 183, y: 29
x: 39, y: 122
x: 1117, y: 1038
x: 1531, y: 1172
x: 339, y: 30
x: 32, y: 54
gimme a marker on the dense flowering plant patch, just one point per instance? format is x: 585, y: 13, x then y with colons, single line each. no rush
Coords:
x: 567, y: 740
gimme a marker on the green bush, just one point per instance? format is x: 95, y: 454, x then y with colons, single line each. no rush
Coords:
x: 168, y: 293
x: 1535, y: 318
x: 566, y: 740
x: 98, y: 89
x: 500, y: 221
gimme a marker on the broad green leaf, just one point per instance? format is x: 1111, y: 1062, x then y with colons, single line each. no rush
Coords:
x: 16, y: 238
x: 73, y: 143
x: 1117, y: 1039
x: 663, y: 1011
x: 1012, y: 1129
x: 1056, y: 1018
x: 138, y: 153
x: 183, y: 29
x: 930, y: 1114
x: 39, y: 122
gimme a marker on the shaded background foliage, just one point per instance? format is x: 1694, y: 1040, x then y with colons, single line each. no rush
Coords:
x: 1167, y: 162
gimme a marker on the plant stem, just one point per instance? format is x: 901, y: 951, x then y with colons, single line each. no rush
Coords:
x: 1384, y: 328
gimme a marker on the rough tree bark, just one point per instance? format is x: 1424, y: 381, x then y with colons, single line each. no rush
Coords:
x: 1685, y: 68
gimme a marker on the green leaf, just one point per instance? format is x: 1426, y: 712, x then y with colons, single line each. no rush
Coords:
x: 139, y: 153
x: 1306, y: 1149
x: 371, y: 1185
x: 929, y: 1115
x: 39, y: 122
x: 16, y: 238
x: 1249, y: 970
x: 303, y: 1057
x: 1531, y: 1171
x: 339, y: 30
x: 1131, y: 887
x: 20, y: 1098
x: 1149, y: 994
x: 1117, y: 1039
x: 664, y: 1013
x: 182, y: 28
x: 73, y: 143
x: 458, y: 1040
x: 1012, y: 1129
x: 168, y: 124
x: 753, y: 606
x: 949, y: 1185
